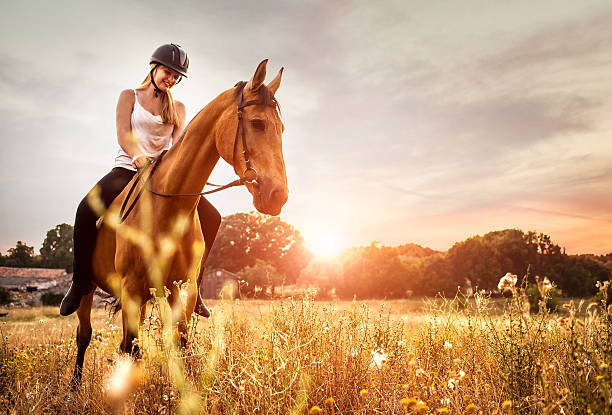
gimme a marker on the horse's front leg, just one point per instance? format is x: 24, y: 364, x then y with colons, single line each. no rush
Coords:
x: 132, y: 307
x: 183, y: 305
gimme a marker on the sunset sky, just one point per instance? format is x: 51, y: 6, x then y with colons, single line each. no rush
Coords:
x: 406, y: 121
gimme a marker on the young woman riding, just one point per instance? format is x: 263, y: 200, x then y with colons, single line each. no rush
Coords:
x: 149, y: 120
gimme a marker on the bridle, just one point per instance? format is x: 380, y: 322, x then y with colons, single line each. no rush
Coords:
x: 248, y: 176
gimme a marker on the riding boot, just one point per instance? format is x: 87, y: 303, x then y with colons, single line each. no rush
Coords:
x: 201, y: 308
x: 72, y: 300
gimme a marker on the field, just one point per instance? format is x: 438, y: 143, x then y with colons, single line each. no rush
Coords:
x: 301, y: 356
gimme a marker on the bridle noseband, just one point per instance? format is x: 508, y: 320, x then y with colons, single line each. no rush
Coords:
x: 249, y: 176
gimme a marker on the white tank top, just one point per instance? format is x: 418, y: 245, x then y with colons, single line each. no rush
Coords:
x: 152, y: 135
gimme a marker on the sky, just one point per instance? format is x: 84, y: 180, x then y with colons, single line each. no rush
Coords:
x: 406, y: 121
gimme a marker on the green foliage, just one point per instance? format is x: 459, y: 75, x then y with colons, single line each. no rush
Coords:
x: 543, y: 294
x: 244, y: 238
x: 21, y: 256
x: 5, y: 296
x: 51, y: 298
x: 56, y: 251
x: 372, y: 272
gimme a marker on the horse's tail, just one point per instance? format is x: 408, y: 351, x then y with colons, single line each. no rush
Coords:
x: 111, y: 303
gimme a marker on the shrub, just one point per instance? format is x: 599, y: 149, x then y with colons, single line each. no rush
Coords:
x: 51, y: 298
x: 543, y: 294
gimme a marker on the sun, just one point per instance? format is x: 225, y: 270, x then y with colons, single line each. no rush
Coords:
x: 325, y: 244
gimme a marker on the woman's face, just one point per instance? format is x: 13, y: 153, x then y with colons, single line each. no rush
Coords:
x: 165, y: 78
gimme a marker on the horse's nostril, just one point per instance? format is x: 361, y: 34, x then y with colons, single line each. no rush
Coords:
x: 278, y: 197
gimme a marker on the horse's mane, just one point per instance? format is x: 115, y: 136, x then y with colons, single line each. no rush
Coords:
x: 266, y: 97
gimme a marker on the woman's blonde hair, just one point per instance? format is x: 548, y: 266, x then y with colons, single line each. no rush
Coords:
x: 168, y: 114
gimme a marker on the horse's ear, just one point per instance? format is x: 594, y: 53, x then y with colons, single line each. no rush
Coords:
x: 258, y: 77
x: 275, y: 83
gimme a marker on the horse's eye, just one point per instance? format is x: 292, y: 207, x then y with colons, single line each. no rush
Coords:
x: 258, y: 124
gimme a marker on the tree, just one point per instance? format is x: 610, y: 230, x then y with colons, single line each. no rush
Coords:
x: 324, y: 273
x: 259, y: 279
x: 56, y: 251
x: 372, y: 272
x: 20, y: 256
x: 245, y: 237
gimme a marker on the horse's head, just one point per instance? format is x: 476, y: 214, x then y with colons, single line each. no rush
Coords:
x: 249, y: 137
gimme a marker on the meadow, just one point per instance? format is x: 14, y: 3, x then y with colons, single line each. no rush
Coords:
x: 299, y: 356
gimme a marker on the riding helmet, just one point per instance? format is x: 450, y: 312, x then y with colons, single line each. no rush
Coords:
x: 172, y: 56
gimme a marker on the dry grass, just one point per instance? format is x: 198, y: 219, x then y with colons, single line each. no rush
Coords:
x: 291, y: 357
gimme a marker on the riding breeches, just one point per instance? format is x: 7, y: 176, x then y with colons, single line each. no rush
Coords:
x: 110, y: 186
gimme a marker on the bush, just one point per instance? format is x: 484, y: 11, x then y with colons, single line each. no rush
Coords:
x: 543, y: 293
x: 5, y: 296
x: 51, y: 298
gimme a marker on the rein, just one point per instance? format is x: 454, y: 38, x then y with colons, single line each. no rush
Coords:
x: 248, y: 176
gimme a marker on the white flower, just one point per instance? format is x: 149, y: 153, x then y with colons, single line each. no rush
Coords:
x: 379, y: 357
x: 448, y: 345
x: 507, y: 282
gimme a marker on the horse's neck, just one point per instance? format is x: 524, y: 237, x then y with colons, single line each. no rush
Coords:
x: 188, y: 164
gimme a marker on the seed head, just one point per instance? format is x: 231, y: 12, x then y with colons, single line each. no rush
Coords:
x: 421, y: 407
x: 409, y: 403
x: 364, y: 394
x: 507, y: 282
x: 329, y: 401
x: 315, y: 410
x: 470, y: 409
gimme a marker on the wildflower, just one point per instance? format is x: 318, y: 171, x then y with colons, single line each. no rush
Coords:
x: 546, y: 284
x: 448, y: 345
x: 364, y: 394
x: 315, y: 410
x: 443, y: 411
x: 470, y: 409
x: 507, y: 282
x: 506, y: 406
x: 379, y: 357
x: 329, y: 401
x: 419, y: 372
x: 451, y: 383
x: 408, y: 403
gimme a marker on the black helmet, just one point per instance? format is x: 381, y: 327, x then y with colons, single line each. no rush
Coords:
x: 172, y: 56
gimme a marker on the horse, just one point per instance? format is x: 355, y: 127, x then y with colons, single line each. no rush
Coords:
x: 244, y: 119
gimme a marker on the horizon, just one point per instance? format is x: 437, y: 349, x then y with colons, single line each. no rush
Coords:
x: 405, y: 121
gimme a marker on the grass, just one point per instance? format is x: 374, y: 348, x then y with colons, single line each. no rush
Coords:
x: 297, y: 357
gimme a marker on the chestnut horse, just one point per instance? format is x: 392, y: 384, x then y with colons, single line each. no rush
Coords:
x: 241, y: 125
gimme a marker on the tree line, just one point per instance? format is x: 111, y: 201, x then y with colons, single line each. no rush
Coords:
x: 267, y: 252
x: 56, y: 251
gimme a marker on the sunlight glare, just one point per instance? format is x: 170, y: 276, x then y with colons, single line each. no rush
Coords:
x: 325, y: 244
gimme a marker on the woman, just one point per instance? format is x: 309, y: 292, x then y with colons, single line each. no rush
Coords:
x: 148, y: 121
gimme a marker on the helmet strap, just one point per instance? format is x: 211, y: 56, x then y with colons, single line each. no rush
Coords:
x: 157, y: 90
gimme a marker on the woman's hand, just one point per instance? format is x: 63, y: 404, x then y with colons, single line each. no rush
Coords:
x: 140, y: 161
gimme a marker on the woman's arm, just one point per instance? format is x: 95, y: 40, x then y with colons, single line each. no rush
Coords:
x: 178, y: 129
x: 125, y: 106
